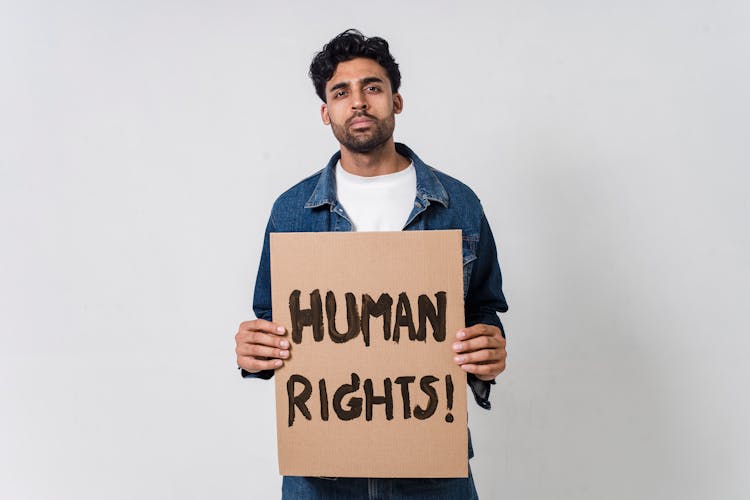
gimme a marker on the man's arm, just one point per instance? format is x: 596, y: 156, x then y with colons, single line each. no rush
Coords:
x: 480, y: 350
x: 480, y: 347
x: 260, y: 343
x: 261, y: 348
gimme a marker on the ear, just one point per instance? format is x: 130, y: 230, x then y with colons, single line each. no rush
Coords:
x: 398, y: 103
x: 324, y: 114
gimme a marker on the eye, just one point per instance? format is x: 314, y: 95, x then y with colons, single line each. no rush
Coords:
x: 373, y: 89
x: 339, y: 93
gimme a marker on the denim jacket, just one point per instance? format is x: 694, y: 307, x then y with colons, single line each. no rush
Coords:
x: 441, y: 202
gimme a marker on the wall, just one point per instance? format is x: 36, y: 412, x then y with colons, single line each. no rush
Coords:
x: 142, y: 144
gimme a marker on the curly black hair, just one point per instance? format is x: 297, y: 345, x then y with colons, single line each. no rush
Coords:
x: 347, y: 46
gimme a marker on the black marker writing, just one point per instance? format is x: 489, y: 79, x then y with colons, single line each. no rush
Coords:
x: 350, y: 399
x: 358, y: 317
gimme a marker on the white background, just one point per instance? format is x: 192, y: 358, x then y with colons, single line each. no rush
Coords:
x: 142, y: 144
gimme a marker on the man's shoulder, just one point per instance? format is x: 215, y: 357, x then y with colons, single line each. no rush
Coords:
x: 437, y: 184
x: 297, y: 208
x: 453, y: 185
x: 297, y: 195
x: 459, y: 193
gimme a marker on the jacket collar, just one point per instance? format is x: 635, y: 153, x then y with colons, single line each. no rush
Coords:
x: 429, y: 187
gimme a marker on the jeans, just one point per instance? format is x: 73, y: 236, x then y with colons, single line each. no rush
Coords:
x: 347, y: 488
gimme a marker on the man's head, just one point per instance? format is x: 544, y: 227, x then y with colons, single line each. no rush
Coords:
x: 352, y: 44
x: 358, y: 79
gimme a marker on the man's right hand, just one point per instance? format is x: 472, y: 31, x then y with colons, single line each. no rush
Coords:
x: 261, y: 345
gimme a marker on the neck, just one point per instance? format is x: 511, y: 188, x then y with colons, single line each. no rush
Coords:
x: 380, y: 161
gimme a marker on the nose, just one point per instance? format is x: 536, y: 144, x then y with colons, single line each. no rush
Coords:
x: 359, y: 101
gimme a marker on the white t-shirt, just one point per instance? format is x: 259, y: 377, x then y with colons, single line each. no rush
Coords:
x: 379, y: 203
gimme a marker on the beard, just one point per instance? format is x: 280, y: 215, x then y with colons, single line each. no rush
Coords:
x: 364, y: 141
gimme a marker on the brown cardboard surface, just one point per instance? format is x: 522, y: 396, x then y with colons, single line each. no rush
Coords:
x: 336, y: 438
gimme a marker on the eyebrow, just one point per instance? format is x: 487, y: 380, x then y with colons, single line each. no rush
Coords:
x: 371, y: 79
x: 363, y: 81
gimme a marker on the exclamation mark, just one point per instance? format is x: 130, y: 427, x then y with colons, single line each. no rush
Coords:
x: 449, y: 394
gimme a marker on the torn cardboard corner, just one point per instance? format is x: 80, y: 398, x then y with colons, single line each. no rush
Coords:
x: 371, y: 389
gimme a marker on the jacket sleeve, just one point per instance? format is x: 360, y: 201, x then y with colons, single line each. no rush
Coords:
x: 484, y: 300
x: 262, y: 296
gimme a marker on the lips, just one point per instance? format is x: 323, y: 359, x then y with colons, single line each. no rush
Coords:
x: 360, y: 122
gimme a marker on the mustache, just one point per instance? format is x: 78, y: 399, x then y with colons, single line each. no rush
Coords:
x: 361, y: 114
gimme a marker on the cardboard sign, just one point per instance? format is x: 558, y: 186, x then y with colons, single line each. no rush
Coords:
x: 371, y: 389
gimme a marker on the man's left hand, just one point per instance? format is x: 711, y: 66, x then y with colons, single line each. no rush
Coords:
x: 480, y: 349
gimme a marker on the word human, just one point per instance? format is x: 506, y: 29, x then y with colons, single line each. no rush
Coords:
x: 350, y: 399
x: 358, y: 316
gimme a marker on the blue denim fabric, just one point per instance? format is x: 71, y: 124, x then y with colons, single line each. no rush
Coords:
x: 441, y: 202
x: 347, y: 488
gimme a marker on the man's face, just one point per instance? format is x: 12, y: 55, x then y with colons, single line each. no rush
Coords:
x: 360, y: 105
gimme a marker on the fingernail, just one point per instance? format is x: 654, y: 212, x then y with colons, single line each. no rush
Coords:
x: 278, y: 363
x: 284, y: 344
x: 280, y: 329
x: 283, y: 354
x: 459, y: 359
x: 461, y: 334
x: 457, y: 346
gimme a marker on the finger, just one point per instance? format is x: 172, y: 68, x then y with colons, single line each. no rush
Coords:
x: 260, y: 351
x: 478, y: 330
x: 479, y: 357
x: 477, y: 343
x: 485, y: 371
x: 265, y: 339
x: 261, y: 325
x: 254, y: 365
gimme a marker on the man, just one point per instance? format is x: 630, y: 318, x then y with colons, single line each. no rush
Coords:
x: 375, y: 184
